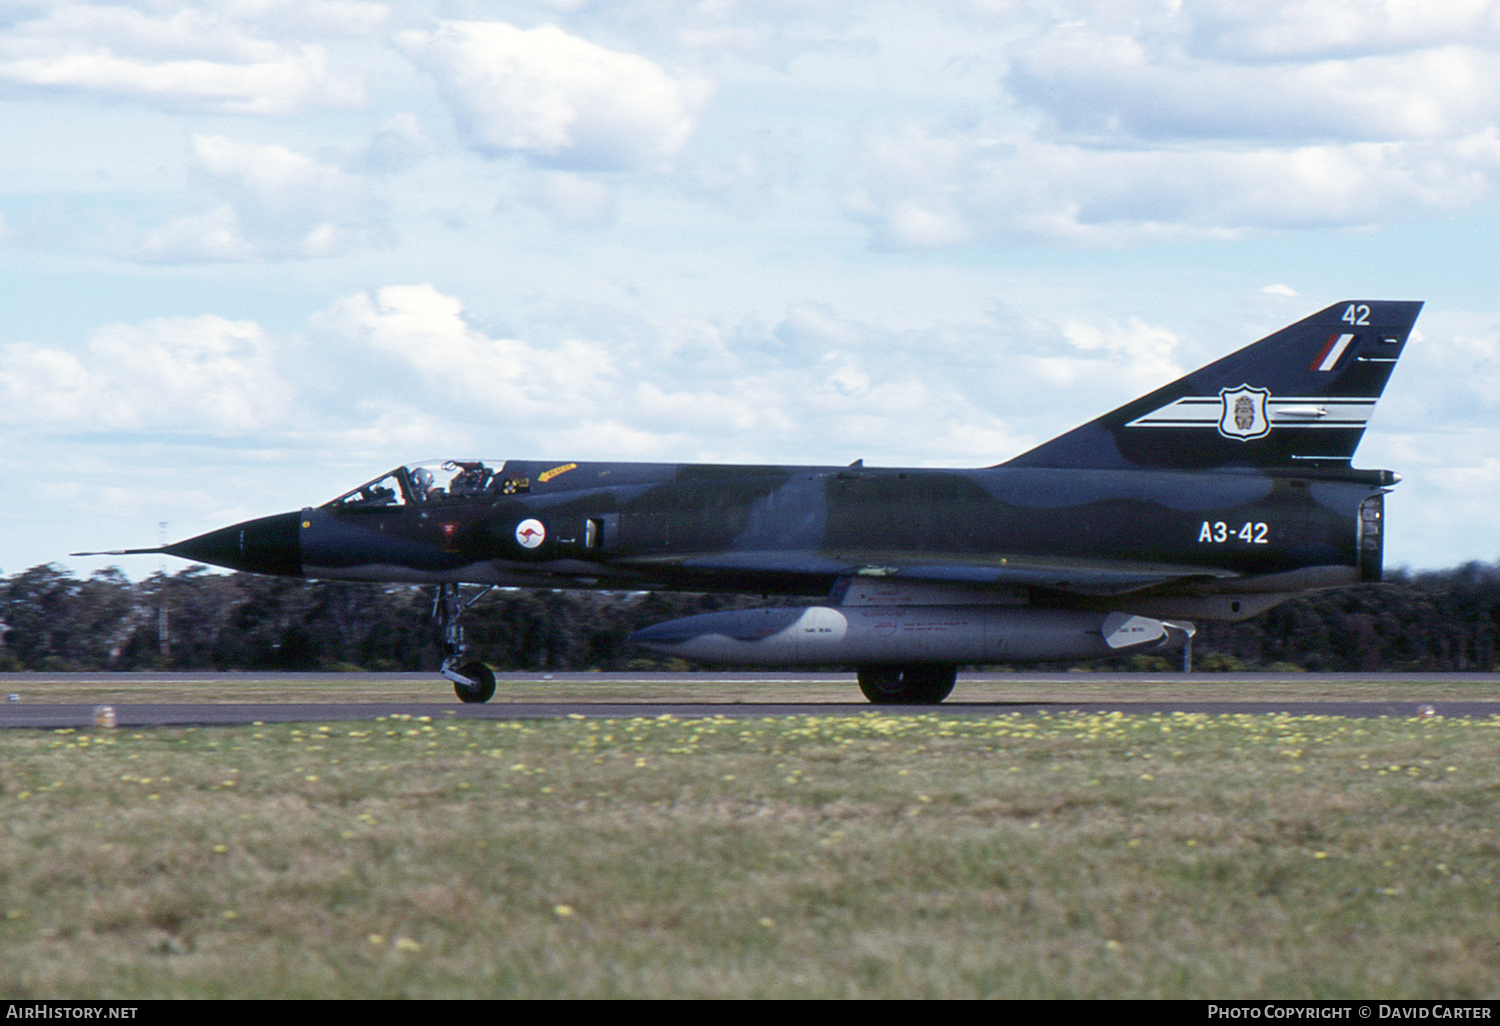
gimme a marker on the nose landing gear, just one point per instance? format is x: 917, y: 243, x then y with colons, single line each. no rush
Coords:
x: 472, y: 682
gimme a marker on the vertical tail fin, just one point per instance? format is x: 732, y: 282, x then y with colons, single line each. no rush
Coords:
x: 1298, y: 398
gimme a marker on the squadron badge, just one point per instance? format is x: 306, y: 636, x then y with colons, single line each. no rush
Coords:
x: 1243, y: 413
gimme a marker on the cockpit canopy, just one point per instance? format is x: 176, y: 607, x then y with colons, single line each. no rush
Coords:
x: 433, y: 481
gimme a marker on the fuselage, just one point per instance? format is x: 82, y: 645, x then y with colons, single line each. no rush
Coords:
x: 799, y: 530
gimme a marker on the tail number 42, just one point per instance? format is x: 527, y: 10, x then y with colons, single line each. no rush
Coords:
x: 1220, y: 532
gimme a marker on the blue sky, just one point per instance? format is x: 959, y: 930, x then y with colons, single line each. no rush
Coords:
x: 254, y: 253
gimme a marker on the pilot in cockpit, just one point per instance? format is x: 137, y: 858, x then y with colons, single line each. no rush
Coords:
x: 422, y: 486
x: 471, y: 479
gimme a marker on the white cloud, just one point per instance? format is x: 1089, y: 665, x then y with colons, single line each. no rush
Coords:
x: 1126, y: 122
x: 555, y: 98
x: 278, y: 203
x: 505, y: 380
x: 673, y: 390
x: 1122, y: 87
x: 195, y: 375
x: 922, y: 190
x: 195, y: 57
x: 1268, y: 30
x: 1144, y: 354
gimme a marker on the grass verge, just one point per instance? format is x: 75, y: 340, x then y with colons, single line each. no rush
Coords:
x: 870, y: 855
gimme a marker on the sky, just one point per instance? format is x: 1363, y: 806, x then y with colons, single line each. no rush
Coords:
x: 254, y: 253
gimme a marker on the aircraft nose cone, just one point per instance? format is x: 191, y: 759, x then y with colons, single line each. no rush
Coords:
x: 269, y: 545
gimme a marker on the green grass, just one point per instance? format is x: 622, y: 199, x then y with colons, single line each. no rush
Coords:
x: 867, y: 855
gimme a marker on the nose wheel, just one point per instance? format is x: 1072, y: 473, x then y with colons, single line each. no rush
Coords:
x: 480, y: 686
x: 472, y: 682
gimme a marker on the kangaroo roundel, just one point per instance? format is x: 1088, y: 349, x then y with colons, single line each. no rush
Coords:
x: 530, y: 533
x: 1243, y: 414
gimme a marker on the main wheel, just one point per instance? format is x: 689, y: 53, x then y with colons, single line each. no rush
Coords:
x: 919, y: 684
x: 483, y: 688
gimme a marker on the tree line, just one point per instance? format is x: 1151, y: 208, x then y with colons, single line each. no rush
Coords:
x: 201, y: 620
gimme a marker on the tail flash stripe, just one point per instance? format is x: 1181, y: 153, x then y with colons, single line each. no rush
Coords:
x: 1284, y: 412
x: 1331, y: 352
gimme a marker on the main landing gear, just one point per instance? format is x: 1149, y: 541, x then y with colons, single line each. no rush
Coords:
x: 472, y: 682
x: 918, y: 684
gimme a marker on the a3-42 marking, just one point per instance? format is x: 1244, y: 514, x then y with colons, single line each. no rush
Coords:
x: 1221, y: 533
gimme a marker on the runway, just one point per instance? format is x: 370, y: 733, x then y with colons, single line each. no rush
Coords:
x: 76, y: 716
x: 62, y: 701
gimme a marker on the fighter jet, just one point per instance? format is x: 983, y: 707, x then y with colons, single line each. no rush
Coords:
x: 1214, y: 497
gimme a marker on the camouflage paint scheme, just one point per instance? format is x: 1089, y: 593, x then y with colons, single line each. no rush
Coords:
x: 1214, y: 497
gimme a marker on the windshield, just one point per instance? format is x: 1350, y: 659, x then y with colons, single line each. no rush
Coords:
x: 433, y: 481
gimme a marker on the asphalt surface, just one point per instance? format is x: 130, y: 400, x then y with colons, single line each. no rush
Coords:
x: 182, y: 715
x: 23, y: 713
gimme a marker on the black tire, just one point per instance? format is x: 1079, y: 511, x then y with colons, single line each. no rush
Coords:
x: 920, y: 684
x: 484, y: 684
